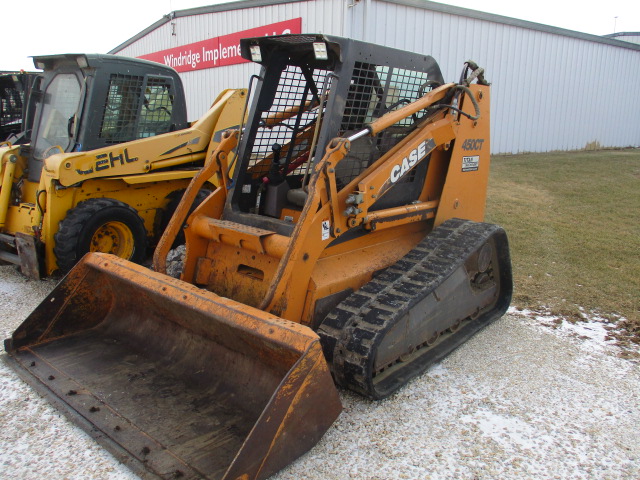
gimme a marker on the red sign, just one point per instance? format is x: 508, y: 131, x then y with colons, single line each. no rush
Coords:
x: 218, y: 51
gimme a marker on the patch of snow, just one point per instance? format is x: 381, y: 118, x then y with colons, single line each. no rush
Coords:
x: 437, y: 371
x: 593, y: 334
x: 506, y: 430
x: 10, y: 288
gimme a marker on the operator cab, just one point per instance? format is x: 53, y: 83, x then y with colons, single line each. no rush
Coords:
x: 85, y: 102
x: 311, y: 89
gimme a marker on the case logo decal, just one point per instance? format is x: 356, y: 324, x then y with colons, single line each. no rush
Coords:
x: 417, y: 154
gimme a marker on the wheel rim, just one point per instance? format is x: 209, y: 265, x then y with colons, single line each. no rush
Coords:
x: 115, y: 238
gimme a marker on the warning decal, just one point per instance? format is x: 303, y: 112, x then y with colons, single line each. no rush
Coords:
x: 470, y: 164
x: 326, y: 229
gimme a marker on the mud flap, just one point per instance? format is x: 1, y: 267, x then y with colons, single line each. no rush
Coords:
x: 177, y: 382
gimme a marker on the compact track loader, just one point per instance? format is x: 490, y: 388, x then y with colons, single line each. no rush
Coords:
x: 348, y: 247
x: 109, y: 156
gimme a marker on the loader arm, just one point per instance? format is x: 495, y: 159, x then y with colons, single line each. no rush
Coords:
x: 216, y: 166
x: 150, y: 154
x: 348, y: 208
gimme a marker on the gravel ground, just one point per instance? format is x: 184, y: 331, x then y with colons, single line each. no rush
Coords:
x: 518, y: 401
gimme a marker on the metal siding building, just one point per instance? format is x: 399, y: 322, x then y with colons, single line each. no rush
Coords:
x: 552, y: 89
x: 193, y: 25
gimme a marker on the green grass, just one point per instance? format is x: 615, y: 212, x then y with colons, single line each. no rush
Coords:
x: 573, y: 221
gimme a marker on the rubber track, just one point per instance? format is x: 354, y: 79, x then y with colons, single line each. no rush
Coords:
x: 351, y: 332
x: 66, y: 239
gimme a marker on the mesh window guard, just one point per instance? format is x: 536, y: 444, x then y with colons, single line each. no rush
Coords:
x: 289, y: 122
x: 155, y: 116
x: 121, y: 108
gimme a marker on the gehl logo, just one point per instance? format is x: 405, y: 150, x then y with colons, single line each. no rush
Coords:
x: 105, y: 161
x: 417, y: 154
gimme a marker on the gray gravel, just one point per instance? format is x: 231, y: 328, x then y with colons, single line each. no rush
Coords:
x: 518, y: 401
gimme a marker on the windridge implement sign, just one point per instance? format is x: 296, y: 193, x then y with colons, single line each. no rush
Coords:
x: 218, y: 51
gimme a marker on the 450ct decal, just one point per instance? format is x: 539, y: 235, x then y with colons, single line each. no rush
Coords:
x: 473, y: 144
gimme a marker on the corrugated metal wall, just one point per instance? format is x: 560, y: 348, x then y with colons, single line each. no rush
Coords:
x: 202, y: 86
x: 551, y: 89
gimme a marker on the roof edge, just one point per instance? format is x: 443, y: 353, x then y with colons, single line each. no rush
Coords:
x: 515, y: 22
x: 622, y: 34
x: 225, y: 7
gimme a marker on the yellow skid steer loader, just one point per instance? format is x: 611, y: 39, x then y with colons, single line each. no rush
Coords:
x: 348, y: 247
x: 110, y: 153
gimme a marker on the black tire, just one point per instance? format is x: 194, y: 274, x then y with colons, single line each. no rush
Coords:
x: 168, y: 212
x: 102, y: 225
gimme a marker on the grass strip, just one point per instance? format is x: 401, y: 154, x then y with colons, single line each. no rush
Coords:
x: 573, y: 220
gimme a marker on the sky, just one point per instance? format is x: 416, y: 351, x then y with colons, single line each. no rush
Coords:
x: 74, y: 26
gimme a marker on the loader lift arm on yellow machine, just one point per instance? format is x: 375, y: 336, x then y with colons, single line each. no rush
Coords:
x: 347, y: 247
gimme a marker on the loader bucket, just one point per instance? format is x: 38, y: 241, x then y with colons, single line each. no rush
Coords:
x: 176, y: 381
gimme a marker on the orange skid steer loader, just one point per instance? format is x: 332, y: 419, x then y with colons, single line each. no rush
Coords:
x: 348, y: 247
